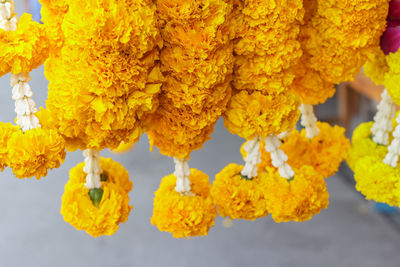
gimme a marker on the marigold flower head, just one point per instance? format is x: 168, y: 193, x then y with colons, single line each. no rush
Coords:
x: 256, y: 114
x: 6, y: 131
x: 325, y: 152
x: 197, y: 61
x: 266, y: 44
x: 376, y: 67
x: 184, y: 215
x: 237, y: 197
x: 377, y: 180
x: 78, y: 209
x: 104, y: 82
x: 337, y: 38
x: 298, y: 199
x: 24, y: 49
x: 113, y: 172
x: 34, y: 152
x: 363, y: 145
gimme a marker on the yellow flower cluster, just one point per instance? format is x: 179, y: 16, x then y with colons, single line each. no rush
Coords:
x: 104, y: 82
x: 363, y: 145
x: 256, y: 114
x: 266, y: 44
x: 52, y: 14
x: 265, y: 48
x: 377, y: 180
x: 78, y: 209
x: 6, y: 131
x: 237, y: 197
x: 31, y: 153
x: 197, y: 62
x: 296, y: 200
x: 325, y: 152
x: 184, y: 215
x: 390, y: 69
x: 24, y: 49
x: 337, y: 37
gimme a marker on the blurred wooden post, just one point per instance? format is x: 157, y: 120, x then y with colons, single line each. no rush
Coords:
x: 349, y: 94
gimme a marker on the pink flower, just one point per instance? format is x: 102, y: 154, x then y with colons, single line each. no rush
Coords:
x: 394, y: 10
x: 390, y: 40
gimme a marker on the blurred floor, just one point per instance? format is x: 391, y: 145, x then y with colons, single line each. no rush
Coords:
x: 33, y: 233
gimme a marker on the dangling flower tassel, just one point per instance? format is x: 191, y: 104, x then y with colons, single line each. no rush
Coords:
x: 96, y: 200
x: 373, y: 137
x: 32, y: 150
x: 183, y: 204
x: 238, y: 191
x: 292, y: 195
x: 318, y: 145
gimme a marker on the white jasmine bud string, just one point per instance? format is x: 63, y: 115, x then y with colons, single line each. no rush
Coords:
x: 278, y: 157
x: 182, y: 173
x: 92, y: 168
x: 308, y: 120
x: 253, y: 158
x: 382, y: 126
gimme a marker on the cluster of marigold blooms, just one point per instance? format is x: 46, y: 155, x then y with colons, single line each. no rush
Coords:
x: 117, y: 69
x: 376, y: 145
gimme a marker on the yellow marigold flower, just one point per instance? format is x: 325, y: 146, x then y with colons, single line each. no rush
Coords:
x: 113, y: 172
x: 237, y: 197
x: 266, y: 44
x: 376, y: 67
x: 363, y: 145
x: 325, y: 152
x: 179, y: 131
x: 392, y: 76
x: 184, y: 215
x: 197, y: 61
x: 52, y: 14
x: 78, y: 210
x: 256, y: 114
x: 350, y: 28
x: 24, y: 49
x: 104, y: 82
x: 377, y: 180
x: 337, y: 38
x: 6, y: 131
x: 33, y: 152
x: 309, y: 86
x: 296, y: 200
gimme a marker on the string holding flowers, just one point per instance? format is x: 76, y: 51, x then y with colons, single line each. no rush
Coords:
x: 263, y: 107
x: 102, y: 92
x: 197, y: 62
x: 28, y: 149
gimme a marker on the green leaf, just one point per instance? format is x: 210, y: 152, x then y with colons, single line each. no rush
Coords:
x: 96, y: 195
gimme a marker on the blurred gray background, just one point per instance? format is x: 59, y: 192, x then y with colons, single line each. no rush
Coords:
x: 33, y: 233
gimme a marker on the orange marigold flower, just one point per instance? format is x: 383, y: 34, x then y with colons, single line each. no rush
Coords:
x: 298, y: 199
x: 184, y: 215
x: 237, y: 197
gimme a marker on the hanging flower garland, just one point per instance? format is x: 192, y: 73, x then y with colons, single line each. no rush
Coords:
x: 104, y: 83
x: 96, y: 196
x: 28, y: 149
x: 261, y: 108
x: 332, y: 54
x: 197, y: 61
x: 376, y: 145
